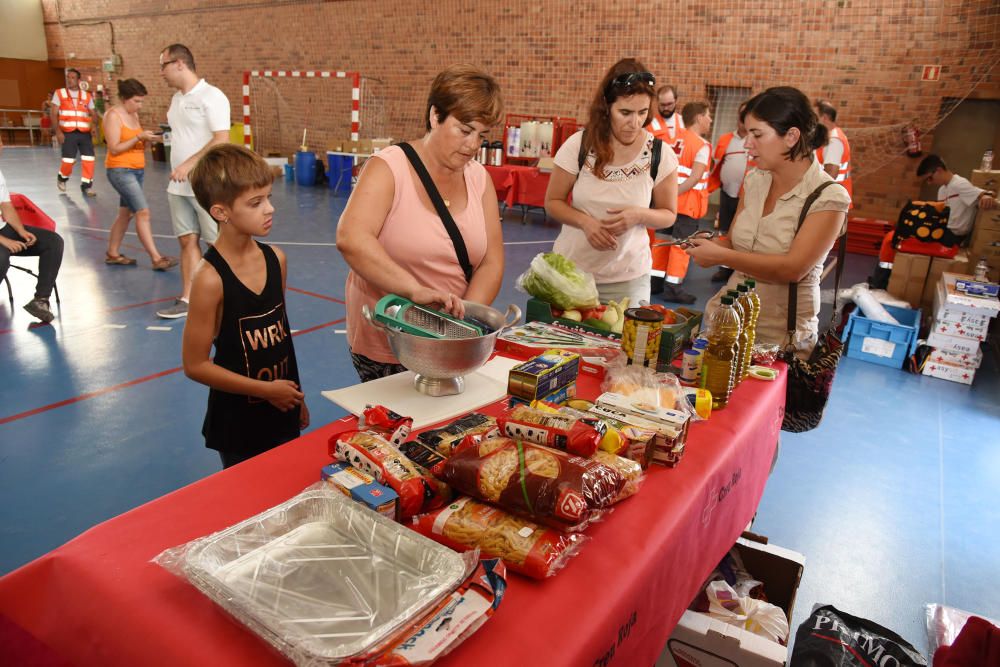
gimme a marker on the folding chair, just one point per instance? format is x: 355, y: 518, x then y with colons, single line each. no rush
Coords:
x: 30, y: 214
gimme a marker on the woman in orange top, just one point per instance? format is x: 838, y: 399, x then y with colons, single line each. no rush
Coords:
x: 126, y: 163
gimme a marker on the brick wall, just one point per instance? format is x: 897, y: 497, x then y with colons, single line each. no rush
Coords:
x: 865, y: 56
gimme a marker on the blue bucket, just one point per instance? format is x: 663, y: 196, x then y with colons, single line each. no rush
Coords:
x: 340, y: 170
x: 289, y: 173
x: 305, y: 168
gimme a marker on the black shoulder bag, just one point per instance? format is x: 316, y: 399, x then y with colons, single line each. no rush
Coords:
x: 810, y: 382
x: 449, y: 222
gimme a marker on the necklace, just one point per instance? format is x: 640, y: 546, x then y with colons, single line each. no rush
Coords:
x: 447, y: 204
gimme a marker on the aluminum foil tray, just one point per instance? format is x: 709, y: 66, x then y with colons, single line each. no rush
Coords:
x: 321, y: 577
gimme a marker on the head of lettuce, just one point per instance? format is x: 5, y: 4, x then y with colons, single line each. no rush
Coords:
x: 555, y: 279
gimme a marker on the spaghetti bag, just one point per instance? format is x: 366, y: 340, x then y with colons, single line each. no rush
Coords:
x: 376, y: 456
x: 525, y: 546
x: 557, y: 430
x: 550, y: 485
x: 470, y: 429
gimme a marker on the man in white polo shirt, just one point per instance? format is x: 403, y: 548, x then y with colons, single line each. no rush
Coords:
x: 199, y: 119
x: 961, y: 196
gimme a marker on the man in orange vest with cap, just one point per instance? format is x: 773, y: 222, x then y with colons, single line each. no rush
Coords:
x: 730, y: 167
x: 694, y: 155
x: 74, y: 118
x: 665, y: 124
x: 835, y: 157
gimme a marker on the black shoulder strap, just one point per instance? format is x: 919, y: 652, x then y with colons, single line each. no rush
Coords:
x: 449, y: 223
x: 793, y: 291
x: 654, y: 167
x: 582, y: 155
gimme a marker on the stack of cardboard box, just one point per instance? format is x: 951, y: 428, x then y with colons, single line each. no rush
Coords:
x: 985, y: 242
x: 915, y: 277
x: 960, y: 324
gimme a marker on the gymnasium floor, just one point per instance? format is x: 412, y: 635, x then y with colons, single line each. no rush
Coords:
x: 892, y: 500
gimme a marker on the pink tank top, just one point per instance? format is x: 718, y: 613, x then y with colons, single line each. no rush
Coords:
x: 415, y: 238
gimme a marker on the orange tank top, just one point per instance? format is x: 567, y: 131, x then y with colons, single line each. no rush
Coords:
x: 133, y: 158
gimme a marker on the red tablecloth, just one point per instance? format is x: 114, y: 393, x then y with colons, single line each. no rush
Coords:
x: 520, y: 185
x: 98, y: 600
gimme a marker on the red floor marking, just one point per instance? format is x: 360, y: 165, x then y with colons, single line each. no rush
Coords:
x: 318, y: 296
x: 136, y: 305
x: 131, y: 383
x: 83, y: 397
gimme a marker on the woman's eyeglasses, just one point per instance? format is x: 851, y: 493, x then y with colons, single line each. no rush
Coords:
x: 626, y: 81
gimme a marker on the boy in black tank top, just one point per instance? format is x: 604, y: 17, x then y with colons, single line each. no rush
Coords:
x: 238, y: 304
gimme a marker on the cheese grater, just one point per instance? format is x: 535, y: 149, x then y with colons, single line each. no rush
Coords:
x: 401, y: 313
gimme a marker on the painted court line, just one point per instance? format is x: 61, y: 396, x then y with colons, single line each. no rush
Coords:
x: 130, y: 383
x: 140, y: 304
x: 114, y: 326
x: 159, y: 328
x: 318, y: 296
x: 322, y: 244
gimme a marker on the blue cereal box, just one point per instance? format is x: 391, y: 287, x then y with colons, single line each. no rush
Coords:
x: 543, y: 375
x: 362, y: 488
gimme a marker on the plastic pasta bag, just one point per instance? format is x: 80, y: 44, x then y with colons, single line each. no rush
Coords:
x: 525, y: 546
x: 555, y: 279
x: 570, y: 433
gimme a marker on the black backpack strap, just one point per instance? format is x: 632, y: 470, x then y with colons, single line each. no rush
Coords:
x: 793, y: 288
x: 449, y: 223
x: 582, y: 155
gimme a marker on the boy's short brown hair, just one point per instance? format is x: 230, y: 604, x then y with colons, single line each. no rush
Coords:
x: 225, y: 172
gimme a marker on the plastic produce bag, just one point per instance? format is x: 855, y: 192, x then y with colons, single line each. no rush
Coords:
x: 944, y: 624
x: 832, y: 638
x: 871, y: 307
x: 756, y: 616
x: 555, y: 279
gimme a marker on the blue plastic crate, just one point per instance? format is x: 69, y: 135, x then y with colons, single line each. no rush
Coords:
x: 880, y: 343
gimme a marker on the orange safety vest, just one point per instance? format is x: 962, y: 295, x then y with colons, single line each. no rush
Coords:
x: 694, y: 202
x: 659, y: 128
x: 715, y: 180
x: 74, y: 114
x: 844, y: 168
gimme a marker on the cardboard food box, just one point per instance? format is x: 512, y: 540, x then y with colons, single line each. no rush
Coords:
x: 988, y: 220
x: 959, y: 329
x: 940, y: 265
x: 954, y: 344
x: 699, y: 639
x: 951, y: 372
x: 543, y: 375
x: 988, y: 180
x: 957, y: 314
x: 961, y: 359
x: 558, y: 397
x: 909, y: 273
x: 982, y: 238
x: 362, y: 487
x: 953, y: 297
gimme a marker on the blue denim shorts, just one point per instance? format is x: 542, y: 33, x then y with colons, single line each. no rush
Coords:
x: 128, y: 183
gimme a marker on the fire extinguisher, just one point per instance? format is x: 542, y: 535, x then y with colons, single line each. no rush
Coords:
x: 911, y: 137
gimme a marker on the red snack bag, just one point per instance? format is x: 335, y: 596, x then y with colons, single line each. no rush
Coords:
x: 373, y: 454
x: 546, y: 484
x: 553, y: 429
x: 525, y: 546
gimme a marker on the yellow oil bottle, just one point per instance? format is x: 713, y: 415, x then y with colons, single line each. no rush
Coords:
x: 748, y: 332
x: 741, y: 343
x: 720, y: 356
x: 754, y: 300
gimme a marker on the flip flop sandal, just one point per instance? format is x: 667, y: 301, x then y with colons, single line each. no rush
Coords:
x: 165, y: 263
x: 119, y: 259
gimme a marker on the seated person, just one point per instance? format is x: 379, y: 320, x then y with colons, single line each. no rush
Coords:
x: 28, y: 241
x: 961, y: 196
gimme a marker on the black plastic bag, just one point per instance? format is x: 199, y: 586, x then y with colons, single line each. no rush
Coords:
x: 831, y: 638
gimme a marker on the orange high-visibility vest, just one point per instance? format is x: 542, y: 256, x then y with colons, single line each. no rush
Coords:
x: 694, y: 202
x: 658, y: 128
x: 721, y: 151
x: 74, y: 114
x: 844, y: 168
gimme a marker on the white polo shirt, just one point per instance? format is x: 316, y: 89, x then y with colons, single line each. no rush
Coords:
x: 734, y: 166
x: 962, y: 197
x: 193, y: 118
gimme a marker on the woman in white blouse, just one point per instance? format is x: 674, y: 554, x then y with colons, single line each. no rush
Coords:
x: 782, y: 133
x: 604, y: 229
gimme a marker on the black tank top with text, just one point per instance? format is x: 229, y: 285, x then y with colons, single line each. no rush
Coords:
x: 254, y: 340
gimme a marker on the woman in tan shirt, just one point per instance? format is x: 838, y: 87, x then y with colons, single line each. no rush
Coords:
x: 782, y: 134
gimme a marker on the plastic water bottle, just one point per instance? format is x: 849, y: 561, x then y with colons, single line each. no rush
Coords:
x: 987, y: 164
x: 982, y: 271
x: 717, y: 369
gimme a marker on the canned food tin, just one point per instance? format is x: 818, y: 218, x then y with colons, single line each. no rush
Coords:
x: 641, y: 336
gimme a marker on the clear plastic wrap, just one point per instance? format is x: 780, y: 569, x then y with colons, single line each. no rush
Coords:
x: 373, y: 454
x: 550, y: 486
x: 465, y: 429
x: 573, y: 433
x: 555, y: 280
x: 765, y: 354
x: 525, y: 546
x: 944, y: 625
x: 759, y: 617
x: 627, y: 468
x: 322, y: 578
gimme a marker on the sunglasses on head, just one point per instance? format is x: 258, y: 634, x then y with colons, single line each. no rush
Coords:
x: 625, y: 81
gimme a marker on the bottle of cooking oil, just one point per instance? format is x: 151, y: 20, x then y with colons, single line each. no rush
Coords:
x: 741, y: 343
x: 719, y: 364
x: 754, y: 313
x: 746, y: 353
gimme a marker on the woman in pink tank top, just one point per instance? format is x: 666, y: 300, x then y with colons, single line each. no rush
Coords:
x: 392, y: 237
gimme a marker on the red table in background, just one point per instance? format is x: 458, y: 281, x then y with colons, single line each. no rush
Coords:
x: 98, y: 600
x: 518, y: 185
